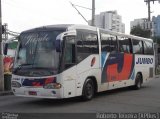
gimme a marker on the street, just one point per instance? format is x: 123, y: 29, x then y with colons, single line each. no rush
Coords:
x: 125, y: 100
x: 122, y: 100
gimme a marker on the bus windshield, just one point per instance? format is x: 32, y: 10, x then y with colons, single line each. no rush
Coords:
x: 36, y: 55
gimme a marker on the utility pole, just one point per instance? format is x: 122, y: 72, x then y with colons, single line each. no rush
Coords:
x: 149, y: 10
x: 1, y: 54
x: 5, y: 31
x: 149, y: 7
x: 93, y: 13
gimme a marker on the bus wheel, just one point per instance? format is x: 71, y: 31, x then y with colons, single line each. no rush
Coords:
x: 138, y: 81
x: 88, y: 90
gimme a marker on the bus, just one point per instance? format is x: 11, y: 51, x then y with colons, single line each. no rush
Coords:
x: 63, y: 61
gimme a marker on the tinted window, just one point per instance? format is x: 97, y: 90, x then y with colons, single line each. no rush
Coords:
x: 114, y: 45
x: 108, y: 42
x: 137, y: 46
x: 148, y: 48
x: 105, y: 42
x: 69, y: 49
x: 125, y: 45
x: 37, y: 53
x: 87, y: 44
x: 90, y: 43
x: 69, y: 52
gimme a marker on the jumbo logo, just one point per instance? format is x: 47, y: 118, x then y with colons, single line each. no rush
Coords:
x: 144, y: 61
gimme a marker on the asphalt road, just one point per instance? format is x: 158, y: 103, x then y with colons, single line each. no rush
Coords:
x: 147, y: 99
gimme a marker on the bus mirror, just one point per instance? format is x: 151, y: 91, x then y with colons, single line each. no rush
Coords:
x: 5, y: 49
x: 58, y: 42
x: 158, y: 50
x: 58, y: 45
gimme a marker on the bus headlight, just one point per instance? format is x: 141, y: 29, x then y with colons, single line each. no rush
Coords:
x: 52, y: 86
x: 15, y: 84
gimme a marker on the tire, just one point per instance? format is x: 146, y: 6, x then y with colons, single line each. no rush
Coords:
x: 138, y: 82
x: 88, y: 90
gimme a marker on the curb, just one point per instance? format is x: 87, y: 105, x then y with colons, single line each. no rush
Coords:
x: 157, y: 76
x: 3, y: 93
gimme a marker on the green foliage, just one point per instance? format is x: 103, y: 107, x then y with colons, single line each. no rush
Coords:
x: 156, y: 39
x: 138, y: 31
x: 12, y: 45
x: 157, y: 70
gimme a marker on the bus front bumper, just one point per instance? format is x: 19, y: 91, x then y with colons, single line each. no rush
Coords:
x: 38, y: 92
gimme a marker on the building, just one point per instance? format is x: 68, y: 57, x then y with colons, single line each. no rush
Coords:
x: 153, y: 25
x: 156, y: 21
x: 144, y: 24
x: 110, y: 20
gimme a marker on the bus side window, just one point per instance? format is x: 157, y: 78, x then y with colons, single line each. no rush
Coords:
x: 87, y: 44
x: 148, y: 48
x: 108, y: 42
x: 114, y: 44
x: 105, y: 42
x: 137, y: 46
x: 125, y: 45
x: 69, y: 52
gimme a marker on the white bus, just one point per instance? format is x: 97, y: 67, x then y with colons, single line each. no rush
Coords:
x: 63, y: 61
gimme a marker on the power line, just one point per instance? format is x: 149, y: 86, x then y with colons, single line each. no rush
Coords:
x: 93, y: 12
x: 13, y: 32
x: 83, y: 7
x: 79, y: 12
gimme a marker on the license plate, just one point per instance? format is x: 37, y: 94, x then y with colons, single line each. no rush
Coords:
x: 32, y: 93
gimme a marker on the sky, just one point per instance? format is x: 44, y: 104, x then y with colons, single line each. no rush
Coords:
x: 21, y: 15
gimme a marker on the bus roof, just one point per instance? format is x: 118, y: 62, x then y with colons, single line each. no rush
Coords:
x: 49, y: 27
x: 109, y: 32
x: 127, y: 35
x: 61, y: 26
x: 87, y: 27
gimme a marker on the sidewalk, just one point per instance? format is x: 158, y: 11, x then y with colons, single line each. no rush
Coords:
x: 157, y: 76
x: 3, y: 93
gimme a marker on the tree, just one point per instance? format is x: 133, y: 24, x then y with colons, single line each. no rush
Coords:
x: 138, y: 31
x: 156, y: 39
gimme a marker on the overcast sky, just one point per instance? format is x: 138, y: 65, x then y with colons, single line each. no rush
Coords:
x: 25, y: 14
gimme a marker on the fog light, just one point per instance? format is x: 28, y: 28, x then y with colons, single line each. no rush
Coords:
x: 13, y: 90
x: 54, y: 92
x: 52, y: 86
x: 16, y: 84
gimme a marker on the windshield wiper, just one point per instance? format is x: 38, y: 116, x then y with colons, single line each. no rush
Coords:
x: 50, y: 70
x: 20, y: 66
